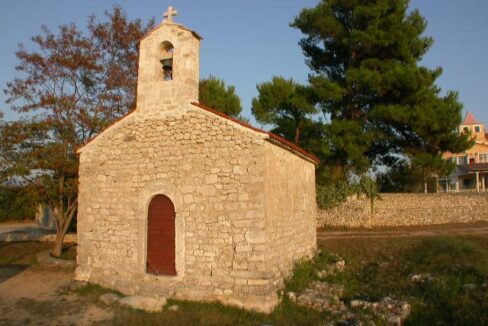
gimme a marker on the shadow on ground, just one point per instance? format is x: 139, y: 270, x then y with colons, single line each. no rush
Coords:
x: 10, y: 270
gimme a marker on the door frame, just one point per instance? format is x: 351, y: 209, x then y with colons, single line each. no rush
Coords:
x: 172, y: 219
x: 160, y: 188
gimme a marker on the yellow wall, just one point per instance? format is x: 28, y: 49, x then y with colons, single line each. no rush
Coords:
x: 480, y: 135
x: 473, y: 152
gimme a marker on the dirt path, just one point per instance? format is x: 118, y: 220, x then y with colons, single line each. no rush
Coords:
x: 405, y: 232
x: 34, y: 297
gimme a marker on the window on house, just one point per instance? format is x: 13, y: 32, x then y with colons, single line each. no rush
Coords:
x: 477, y: 128
x: 166, y: 60
x: 462, y: 160
x: 466, y: 129
x: 483, y: 158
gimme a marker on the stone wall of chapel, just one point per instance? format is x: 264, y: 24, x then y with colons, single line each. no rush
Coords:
x: 290, y: 210
x: 214, y: 172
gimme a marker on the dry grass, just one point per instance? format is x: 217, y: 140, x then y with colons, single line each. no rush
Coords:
x: 435, y: 227
x: 23, y: 253
x: 380, y: 267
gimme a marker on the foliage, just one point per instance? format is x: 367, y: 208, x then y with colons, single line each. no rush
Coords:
x: 215, y: 94
x: 411, y: 176
x: 399, y: 177
x: 369, y: 188
x: 286, y: 105
x: 70, y: 87
x: 305, y: 271
x: 17, y: 202
x: 366, y: 78
x: 332, y: 194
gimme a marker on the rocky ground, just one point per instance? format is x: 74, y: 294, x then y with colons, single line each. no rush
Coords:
x: 428, y: 281
x: 41, y: 297
x: 327, y: 297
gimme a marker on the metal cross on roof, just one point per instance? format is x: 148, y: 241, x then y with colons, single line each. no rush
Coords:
x: 169, y: 14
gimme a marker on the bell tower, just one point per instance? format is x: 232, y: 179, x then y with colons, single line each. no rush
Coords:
x: 169, y: 63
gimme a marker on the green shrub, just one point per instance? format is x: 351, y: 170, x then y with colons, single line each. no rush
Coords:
x: 17, y: 203
x: 332, y: 194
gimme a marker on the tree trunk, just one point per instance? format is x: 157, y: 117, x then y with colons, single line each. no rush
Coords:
x: 297, y: 135
x: 371, y: 205
x: 63, y: 220
x: 58, y: 243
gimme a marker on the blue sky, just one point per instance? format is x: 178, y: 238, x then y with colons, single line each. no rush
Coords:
x: 247, y: 42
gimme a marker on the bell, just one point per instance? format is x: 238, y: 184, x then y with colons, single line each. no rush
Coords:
x: 167, y: 64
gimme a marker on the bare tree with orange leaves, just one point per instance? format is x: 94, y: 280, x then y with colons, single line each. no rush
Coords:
x: 68, y: 90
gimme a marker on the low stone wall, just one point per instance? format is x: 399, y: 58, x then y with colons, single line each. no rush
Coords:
x: 407, y: 209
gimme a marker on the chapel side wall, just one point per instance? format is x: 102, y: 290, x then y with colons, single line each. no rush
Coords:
x: 407, y: 209
x: 213, y: 171
x: 290, y: 210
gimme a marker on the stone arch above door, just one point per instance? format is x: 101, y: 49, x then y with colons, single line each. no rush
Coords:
x: 161, y: 240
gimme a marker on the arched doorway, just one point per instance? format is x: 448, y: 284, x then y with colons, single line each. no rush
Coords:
x: 161, y: 236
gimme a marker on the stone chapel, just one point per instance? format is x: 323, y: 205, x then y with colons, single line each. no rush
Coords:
x: 178, y: 200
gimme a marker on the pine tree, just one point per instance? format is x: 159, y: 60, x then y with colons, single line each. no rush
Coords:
x: 285, y: 105
x: 213, y: 92
x: 382, y: 103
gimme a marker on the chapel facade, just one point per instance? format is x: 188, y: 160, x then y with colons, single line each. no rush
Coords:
x: 179, y: 200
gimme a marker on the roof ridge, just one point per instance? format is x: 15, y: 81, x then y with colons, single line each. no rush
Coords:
x: 113, y: 123
x: 469, y: 119
x: 198, y: 36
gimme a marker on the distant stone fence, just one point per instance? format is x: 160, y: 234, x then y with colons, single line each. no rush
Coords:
x: 407, y: 209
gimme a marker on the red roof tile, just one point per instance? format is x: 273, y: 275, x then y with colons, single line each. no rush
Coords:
x: 473, y: 167
x: 469, y: 119
x: 272, y: 137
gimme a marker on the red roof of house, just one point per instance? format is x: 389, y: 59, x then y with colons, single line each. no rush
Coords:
x: 272, y: 137
x: 469, y: 119
x: 474, y: 167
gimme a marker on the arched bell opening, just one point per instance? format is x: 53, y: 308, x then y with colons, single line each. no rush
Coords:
x: 166, y: 60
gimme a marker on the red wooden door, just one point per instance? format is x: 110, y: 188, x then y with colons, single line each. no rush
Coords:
x: 161, y: 236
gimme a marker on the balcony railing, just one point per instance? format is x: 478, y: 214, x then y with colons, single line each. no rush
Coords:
x: 462, y: 190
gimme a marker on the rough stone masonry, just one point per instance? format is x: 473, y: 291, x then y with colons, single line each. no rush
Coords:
x: 407, y: 210
x: 244, y: 199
